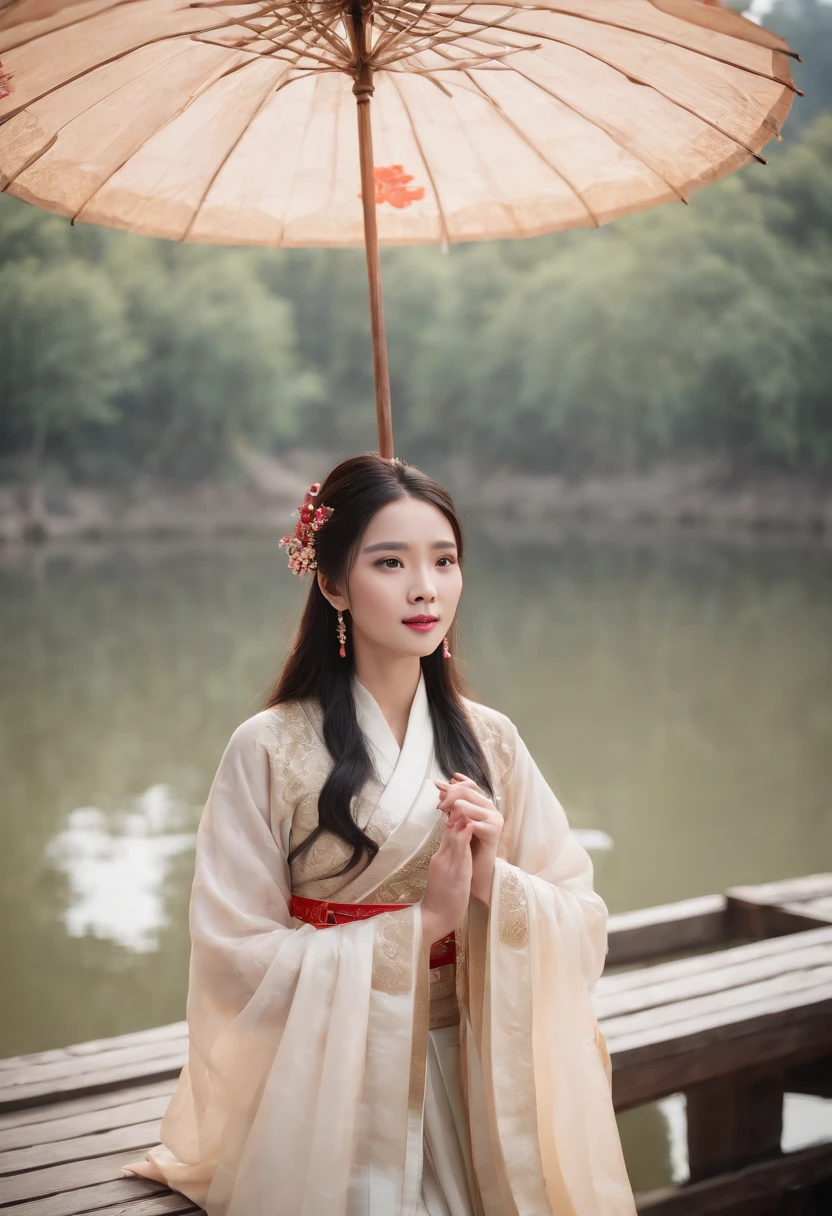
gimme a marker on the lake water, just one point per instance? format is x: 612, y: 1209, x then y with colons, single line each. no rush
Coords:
x: 676, y: 693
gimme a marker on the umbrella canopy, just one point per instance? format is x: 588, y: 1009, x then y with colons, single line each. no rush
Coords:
x: 235, y: 123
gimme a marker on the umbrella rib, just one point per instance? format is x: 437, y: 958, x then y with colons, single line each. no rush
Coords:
x: 105, y: 181
x: 530, y: 144
x: 31, y: 160
x: 12, y: 46
x: 225, y: 159
x: 35, y: 157
x: 403, y: 28
x: 100, y: 64
x: 443, y: 222
x: 293, y: 30
x: 654, y: 88
x: 291, y: 55
x: 395, y: 21
x: 509, y: 206
x: 430, y: 39
x: 789, y: 84
x: 293, y: 59
x: 629, y: 29
x: 617, y: 140
x: 333, y: 167
x: 306, y: 125
x: 336, y: 42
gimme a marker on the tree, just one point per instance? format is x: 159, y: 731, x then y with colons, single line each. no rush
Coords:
x: 65, y: 351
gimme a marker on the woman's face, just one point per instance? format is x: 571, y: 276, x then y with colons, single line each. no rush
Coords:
x: 406, y: 565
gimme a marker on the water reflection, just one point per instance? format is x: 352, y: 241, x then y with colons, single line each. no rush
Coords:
x: 654, y: 1141
x: 677, y: 695
x: 116, y: 865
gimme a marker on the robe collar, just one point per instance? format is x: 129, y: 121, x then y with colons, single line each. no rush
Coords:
x: 405, y: 797
x: 377, y: 730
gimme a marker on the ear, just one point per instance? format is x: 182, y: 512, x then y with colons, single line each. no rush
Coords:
x: 330, y: 592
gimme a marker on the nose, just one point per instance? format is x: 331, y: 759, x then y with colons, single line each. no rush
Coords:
x: 424, y: 591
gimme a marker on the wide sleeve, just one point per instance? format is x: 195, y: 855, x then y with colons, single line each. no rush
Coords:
x: 297, y: 1086
x: 536, y: 1048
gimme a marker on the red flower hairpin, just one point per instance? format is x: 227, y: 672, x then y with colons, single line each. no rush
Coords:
x: 301, y: 545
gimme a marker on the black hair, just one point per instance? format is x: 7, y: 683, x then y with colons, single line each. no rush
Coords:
x: 357, y: 488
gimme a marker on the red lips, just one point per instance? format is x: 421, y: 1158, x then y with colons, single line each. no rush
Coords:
x: 421, y: 619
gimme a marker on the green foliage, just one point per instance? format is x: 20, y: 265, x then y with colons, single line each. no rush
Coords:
x: 684, y: 330
x: 806, y: 26
x: 182, y: 353
x: 65, y: 349
x: 221, y: 363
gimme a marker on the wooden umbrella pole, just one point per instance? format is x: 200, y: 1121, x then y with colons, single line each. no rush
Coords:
x: 363, y: 90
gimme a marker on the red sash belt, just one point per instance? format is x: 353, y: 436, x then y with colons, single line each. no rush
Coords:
x: 322, y: 912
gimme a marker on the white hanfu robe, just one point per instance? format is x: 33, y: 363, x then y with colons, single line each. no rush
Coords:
x: 330, y: 1072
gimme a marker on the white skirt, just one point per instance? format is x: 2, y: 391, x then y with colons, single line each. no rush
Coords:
x: 447, y: 1158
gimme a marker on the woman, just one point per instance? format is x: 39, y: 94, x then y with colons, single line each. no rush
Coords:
x: 394, y: 931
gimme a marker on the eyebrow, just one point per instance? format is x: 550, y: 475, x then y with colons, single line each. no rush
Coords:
x: 398, y: 544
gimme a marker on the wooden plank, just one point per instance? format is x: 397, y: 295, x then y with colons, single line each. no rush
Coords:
x: 802, y: 1168
x: 107, y: 1100
x: 99, y: 1144
x: 785, y: 891
x: 76, y: 1066
x: 732, y: 1122
x: 107, y: 1078
x: 55, y: 1131
x: 710, y: 980
x: 728, y: 1004
x: 812, y: 911
x: 720, y: 960
x: 759, y: 921
x: 71, y: 1176
x: 815, y: 1077
x: 778, y: 1038
x: 687, y: 924
x: 158, y: 1205
x: 95, y: 1047
x: 691, y: 1024
x: 768, y: 909
x: 124, y: 1193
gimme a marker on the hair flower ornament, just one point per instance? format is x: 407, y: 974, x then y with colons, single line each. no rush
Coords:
x: 301, y: 545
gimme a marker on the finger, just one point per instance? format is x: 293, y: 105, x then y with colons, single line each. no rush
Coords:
x: 461, y: 779
x: 456, y: 783
x: 470, y: 811
x: 462, y: 836
x: 484, y: 831
x: 470, y: 793
x: 457, y: 779
x: 477, y: 813
x: 458, y: 845
x: 464, y: 831
x: 447, y: 839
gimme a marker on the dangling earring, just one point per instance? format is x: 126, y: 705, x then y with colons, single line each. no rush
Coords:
x: 342, y: 635
x: 446, y: 654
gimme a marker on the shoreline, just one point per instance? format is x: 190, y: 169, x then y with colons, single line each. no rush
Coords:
x: 692, y: 496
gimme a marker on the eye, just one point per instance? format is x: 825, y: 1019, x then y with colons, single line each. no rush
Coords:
x: 450, y: 560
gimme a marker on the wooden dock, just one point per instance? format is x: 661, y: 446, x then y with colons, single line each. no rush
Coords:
x: 743, y: 1017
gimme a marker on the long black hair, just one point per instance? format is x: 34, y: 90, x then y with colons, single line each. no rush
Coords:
x: 356, y: 489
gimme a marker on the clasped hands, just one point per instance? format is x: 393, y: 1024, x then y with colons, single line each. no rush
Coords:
x: 465, y: 803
